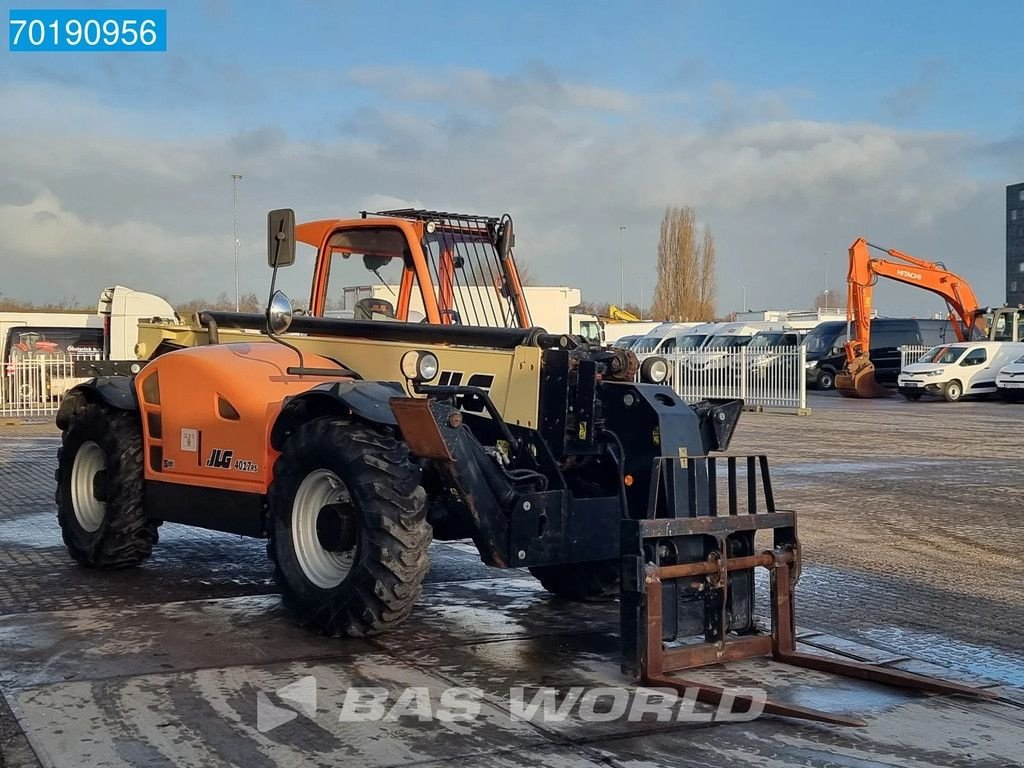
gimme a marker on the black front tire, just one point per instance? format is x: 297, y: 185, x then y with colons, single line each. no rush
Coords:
x: 826, y: 380
x: 390, y: 555
x: 912, y: 395
x: 593, y: 582
x: 124, y: 536
x: 953, y: 391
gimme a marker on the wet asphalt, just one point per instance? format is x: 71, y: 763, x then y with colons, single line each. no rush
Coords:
x: 911, y: 520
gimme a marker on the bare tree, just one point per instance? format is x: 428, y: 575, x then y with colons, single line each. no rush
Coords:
x: 686, y: 271
x: 11, y: 304
x: 526, y: 273
x: 708, y: 283
x: 830, y: 298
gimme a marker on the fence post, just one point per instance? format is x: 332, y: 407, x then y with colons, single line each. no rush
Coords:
x: 743, y: 374
x: 801, y: 373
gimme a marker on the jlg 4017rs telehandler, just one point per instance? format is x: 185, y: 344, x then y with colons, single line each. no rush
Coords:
x: 349, y: 443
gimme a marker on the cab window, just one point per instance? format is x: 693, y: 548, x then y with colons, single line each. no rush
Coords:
x: 364, y: 274
x: 975, y: 357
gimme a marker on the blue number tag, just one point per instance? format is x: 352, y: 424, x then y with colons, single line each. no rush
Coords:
x: 87, y: 30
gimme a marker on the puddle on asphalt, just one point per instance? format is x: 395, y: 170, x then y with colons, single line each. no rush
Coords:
x: 849, y: 467
x: 985, y: 662
x: 841, y: 696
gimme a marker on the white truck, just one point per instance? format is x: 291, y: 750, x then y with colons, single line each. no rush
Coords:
x: 953, y: 371
x: 40, y: 349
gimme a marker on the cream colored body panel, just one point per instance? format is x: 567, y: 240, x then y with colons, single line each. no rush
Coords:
x: 515, y: 389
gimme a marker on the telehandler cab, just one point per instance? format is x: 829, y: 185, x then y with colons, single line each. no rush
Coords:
x: 348, y: 444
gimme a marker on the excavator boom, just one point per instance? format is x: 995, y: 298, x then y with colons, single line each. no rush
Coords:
x: 966, y: 315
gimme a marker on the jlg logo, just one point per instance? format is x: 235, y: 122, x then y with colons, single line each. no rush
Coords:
x: 467, y: 403
x: 220, y: 459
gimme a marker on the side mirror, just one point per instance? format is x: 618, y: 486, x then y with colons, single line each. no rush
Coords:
x: 279, y: 312
x: 281, y: 238
x: 506, y: 238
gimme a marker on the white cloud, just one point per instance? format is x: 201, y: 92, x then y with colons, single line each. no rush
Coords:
x: 123, y: 188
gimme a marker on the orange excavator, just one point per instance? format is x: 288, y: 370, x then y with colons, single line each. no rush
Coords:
x: 967, y: 317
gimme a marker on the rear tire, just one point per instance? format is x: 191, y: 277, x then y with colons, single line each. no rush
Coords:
x: 953, y: 391
x: 348, y: 532
x: 99, y: 489
x: 592, y: 582
x: 826, y: 380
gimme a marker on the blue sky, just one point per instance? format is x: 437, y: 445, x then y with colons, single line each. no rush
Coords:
x: 791, y: 127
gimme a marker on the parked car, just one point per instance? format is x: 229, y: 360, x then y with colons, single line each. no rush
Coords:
x: 953, y: 371
x: 1010, y: 381
x: 826, y: 356
x: 625, y: 342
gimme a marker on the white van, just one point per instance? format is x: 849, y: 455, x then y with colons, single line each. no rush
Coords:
x: 725, y: 338
x: 1010, y: 381
x: 956, y: 370
x: 733, y: 335
x: 665, y: 338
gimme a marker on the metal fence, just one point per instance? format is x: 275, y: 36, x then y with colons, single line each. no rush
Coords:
x: 911, y: 354
x: 767, y: 378
x: 34, y: 386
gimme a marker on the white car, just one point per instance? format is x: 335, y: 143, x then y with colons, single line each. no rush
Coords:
x: 955, y: 370
x: 1010, y: 381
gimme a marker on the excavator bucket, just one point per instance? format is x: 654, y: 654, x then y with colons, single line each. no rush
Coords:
x: 858, y: 380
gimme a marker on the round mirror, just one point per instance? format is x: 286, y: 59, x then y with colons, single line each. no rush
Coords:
x: 279, y: 313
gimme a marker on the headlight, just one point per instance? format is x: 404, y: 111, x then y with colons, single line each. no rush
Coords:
x: 933, y: 373
x: 419, y: 366
x: 811, y: 364
x: 654, y: 370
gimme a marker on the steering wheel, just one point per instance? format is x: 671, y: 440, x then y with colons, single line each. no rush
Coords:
x: 453, y: 314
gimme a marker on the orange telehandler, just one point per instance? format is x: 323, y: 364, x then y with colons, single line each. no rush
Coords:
x: 968, y: 318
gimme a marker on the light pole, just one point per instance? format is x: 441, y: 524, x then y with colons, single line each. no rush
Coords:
x: 235, y: 178
x: 622, y: 228
x: 828, y: 255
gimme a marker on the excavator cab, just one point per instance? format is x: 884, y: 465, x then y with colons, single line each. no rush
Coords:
x: 1007, y: 324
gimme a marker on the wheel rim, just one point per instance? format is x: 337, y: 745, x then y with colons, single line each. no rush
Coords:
x: 326, y: 569
x: 954, y: 392
x: 89, y: 462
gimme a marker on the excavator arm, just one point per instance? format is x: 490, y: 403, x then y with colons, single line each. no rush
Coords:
x: 967, y: 317
x: 619, y: 315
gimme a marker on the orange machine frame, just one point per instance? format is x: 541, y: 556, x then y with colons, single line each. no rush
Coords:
x: 964, y: 310
x: 437, y: 307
